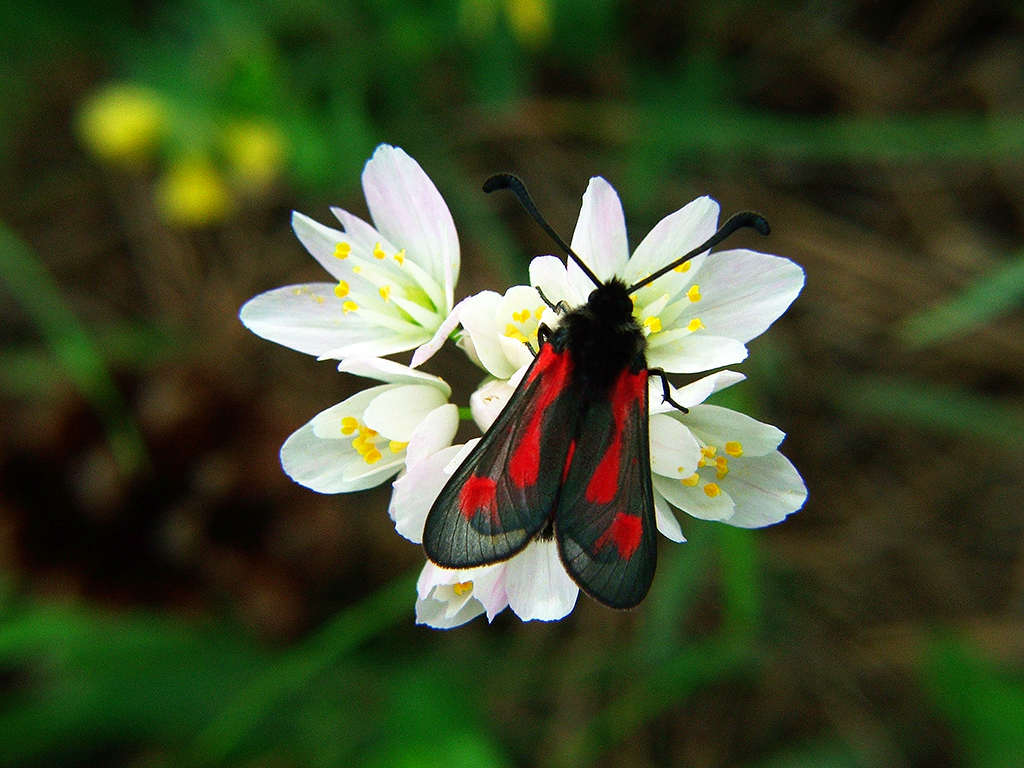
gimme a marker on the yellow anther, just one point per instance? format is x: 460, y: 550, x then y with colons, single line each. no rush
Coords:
x: 368, y: 432
x: 709, y: 450
x: 695, y: 325
x: 462, y: 588
x: 694, y: 293
x: 349, y: 306
x: 341, y: 290
x: 357, y: 270
x: 342, y: 250
x: 653, y: 324
x: 691, y: 481
x: 514, y: 333
x: 684, y: 267
x: 734, y: 448
x: 632, y: 298
x: 385, y: 292
x: 539, y: 312
x: 360, y: 444
x: 712, y: 490
x: 372, y: 456
x: 349, y: 424
x: 378, y: 252
x: 397, y: 447
x: 722, y: 466
x: 400, y: 257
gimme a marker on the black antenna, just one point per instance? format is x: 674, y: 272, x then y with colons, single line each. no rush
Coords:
x: 516, y: 187
x: 735, y: 222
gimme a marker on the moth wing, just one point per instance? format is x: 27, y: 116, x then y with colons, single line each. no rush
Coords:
x: 505, y: 491
x: 605, y: 523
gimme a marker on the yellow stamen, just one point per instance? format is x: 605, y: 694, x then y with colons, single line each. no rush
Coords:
x: 342, y: 250
x: 539, y: 312
x: 397, y: 447
x: 357, y: 269
x: 712, y: 490
x: 400, y: 257
x: 372, y: 456
x: 349, y: 306
x: 349, y: 425
x: 462, y: 588
x: 691, y: 481
x: 385, y: 292
x: 378, y: 252
x: 694, y: 293
x: 695, y: 325
x: 369, y: 432
x: 684, y: 267
x: 734, y: 448
x: 653, y: 323
x: 341, y: 290
x: 514, y: 333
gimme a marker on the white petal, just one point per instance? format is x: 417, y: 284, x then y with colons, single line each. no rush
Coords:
x: 407, y: 209
x: 397, y: 412
x: 695, y: 353
x: 744, y: 291
x: 672, y: 238
x: 427, y: 351
x: 479, y: 317
x: 548, y: 274
x: 600, y: 237
x: 325, y: 466
x: 310, y: 318
x: 435, y: 433
x: 674, y: 450
x: 488, y: 401
x: 442, y: 608
x: 766, y: 489
x: 320, y: 240
x: 715, y: 425
x: 667, y: 522
x: 392, y: 372
x: 694, y: 501
x: 538, y: 586
x: 416, y: 491
x: 693, y: 393
x: 327, y: 424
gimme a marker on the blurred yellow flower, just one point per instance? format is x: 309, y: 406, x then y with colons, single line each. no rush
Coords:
x: 193, y: 193
x: 122, y: 123
x: 530, y: 20
x: 255, y: 153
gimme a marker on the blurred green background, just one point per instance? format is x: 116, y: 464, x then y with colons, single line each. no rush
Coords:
x: 169, y: 597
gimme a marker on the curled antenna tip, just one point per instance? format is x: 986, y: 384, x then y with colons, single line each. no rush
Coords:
x: 501, y: 181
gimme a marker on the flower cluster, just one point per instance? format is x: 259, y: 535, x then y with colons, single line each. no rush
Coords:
x: 392, y: 290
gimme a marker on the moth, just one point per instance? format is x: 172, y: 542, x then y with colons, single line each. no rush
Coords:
x: 568, y: 458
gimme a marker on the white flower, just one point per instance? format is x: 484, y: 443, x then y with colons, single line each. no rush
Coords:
x: 740, y: 478
x: 533, y: 583
x: 369, y: 437
x: 698, y: 316
x: 394, y: 281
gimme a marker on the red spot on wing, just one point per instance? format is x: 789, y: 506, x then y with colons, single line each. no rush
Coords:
x: 478, y: 494
x: 524, y: 464
x: 629, y: 389
x: 625, y: 533
x: 568, y: 459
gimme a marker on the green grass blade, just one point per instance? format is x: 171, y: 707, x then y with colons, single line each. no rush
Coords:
x: 70, y: 343
x: 994, y: 294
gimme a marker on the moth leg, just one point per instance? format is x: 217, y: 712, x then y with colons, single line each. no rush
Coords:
x: 559, y: 308
x: 664, y: 389
x: 543, y: 334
